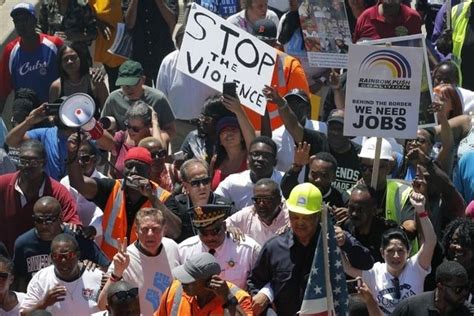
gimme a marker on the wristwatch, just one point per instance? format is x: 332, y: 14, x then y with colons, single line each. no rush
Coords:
x: 231, y: 301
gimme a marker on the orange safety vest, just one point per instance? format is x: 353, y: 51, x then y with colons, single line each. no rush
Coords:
x: 176, y: 303
x: 288, y: 74
x: 114, y: 222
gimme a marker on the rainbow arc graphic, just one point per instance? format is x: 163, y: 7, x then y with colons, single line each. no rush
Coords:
x: 394, y: 62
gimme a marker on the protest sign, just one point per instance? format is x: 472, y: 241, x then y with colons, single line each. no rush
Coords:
x: 214, y: 51
x: 326, y: 32
x: 426, y: 118
x: 382, y: 91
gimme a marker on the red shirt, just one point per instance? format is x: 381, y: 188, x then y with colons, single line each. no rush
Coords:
x: 15, y: 219
x: 371, y: 25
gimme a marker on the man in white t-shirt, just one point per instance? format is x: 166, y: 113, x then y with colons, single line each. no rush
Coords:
x: 66, y: 287
x: 266, y: 216
x: 235, y: 258
x: 89, y: 213
x: 147, y: 263
x: 238, y: 187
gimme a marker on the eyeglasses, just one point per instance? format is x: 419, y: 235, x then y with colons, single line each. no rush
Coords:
x: 262, y: 199
x: 160, y: 154
x: 396, y: 284
x: 136, y: 129
x: 4, y: 275
x: 210, y: 232
x: 122, y: 296
x: 45, y: 220
x: 85, y: 158
x: 263, y: 154
x: 57, y: 256
x: 199, y: 182
x: 417, y: 141
x: 30, y: 162
x: 458, y: 289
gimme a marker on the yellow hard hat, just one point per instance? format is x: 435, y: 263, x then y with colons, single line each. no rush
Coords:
x: 305, y: 199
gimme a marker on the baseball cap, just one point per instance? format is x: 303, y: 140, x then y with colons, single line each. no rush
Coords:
x: 297, y: 93
x: 368, y: 149
x: 129, y: 73
x: 265, y: 29
x: 139, y: 153
x: 200, y: 266
x: 336, y: 116
x: 305, y: 199
x: 227, y: 121
x: 23, y: 6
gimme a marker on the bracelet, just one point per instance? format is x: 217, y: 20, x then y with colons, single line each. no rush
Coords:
x: 115, y: 278
x: 423, y: 214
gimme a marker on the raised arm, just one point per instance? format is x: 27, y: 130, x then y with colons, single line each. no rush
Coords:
x: 290, y: 121
x: 233, y: 104
x: 86, y: 186
x: 425, y: 253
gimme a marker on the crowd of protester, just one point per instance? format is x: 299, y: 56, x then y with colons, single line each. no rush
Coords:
x: 189, y: 203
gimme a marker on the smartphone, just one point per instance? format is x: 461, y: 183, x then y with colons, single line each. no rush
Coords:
x: 353, y: 285
x: 229, y: 88
x: 52, y: 109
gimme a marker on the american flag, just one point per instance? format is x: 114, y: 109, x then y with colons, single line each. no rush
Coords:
x: 326, y: 291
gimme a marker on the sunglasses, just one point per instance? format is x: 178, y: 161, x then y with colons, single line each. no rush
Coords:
x: 85, y: 158
x: 199, y: 182
x: 458, y: 289
x: 210, y: 232
x: 4, y: 275
x: 262, y: 199
x: 160, y: 154
x: 123, y: 296
x: 30, y: 162
x: 56, y: 256
x: 45, y: 220
x: 136, y: 129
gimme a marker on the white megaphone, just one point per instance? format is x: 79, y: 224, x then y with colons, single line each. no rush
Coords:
x: 77, y: 111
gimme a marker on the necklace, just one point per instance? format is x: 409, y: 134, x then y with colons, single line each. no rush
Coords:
x: 76, y: 84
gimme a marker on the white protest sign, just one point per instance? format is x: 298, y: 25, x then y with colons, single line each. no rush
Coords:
x: 383, y: 91
x: 215, y: 51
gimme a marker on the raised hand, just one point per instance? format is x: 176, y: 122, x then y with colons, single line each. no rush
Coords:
x: 301, y: 157
x: 273, y: 96
x: 122, y: 258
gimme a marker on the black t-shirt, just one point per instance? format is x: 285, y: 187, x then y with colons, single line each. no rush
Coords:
x: 336, y: 198
x: 348, y: 168
x: 373, y: 240
x: 104, y: 189
x: 31, y: 254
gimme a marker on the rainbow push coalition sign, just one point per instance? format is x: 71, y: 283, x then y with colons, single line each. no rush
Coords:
x: 389, y: 64
x: 383, y: 91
